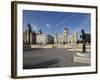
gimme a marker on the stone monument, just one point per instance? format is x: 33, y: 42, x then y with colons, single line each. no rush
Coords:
x: 83, y: 57
x: 83, y: 36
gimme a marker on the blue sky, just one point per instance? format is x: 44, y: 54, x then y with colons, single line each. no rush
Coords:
x: 55, y: 22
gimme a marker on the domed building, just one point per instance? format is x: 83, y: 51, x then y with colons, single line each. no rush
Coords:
x: 27, y: 35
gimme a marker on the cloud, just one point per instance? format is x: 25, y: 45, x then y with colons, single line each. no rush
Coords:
x: 48, y: 26
x: 34, y: 27
x: 65, y: 20
x: 86, y: 24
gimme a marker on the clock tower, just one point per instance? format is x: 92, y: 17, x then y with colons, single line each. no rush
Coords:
x: 65, y: 35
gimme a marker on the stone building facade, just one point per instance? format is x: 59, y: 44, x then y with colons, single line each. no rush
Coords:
x: 65, y: 38
x: 72, y: 38
x: 44, y: 39
x: 27, y: 35
x: 31, y: 37
x: 65, y: 35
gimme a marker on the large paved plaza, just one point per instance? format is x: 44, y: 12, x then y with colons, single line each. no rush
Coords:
x: 49, y: 58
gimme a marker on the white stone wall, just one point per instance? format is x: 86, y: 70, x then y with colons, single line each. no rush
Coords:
x: 41, y: 38
x: 61, y: 39
x: 56, y: 39
x: 70, y: 38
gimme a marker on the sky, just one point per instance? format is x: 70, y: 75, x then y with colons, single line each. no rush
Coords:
x: 55, y: 22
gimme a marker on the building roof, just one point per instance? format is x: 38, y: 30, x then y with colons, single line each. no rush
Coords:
x: 65, y: 28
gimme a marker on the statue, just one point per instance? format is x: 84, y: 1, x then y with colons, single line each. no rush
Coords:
x: 83, y: 57
x: 83, y: 36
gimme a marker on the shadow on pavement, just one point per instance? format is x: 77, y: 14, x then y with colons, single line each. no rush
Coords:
x: 30, y: 49
x: 42, y: 65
